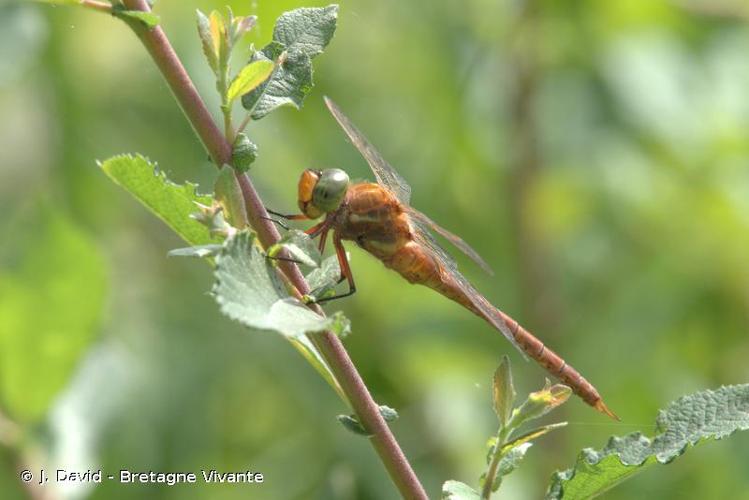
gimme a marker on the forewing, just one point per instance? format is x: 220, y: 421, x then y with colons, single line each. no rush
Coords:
x: 423, y: 236
x: 385, y: 174
x: 452, y: 238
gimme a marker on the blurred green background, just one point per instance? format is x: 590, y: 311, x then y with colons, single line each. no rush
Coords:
x: 595, y: 153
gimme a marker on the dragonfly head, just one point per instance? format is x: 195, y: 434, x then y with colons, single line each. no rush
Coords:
x: 321, y: 192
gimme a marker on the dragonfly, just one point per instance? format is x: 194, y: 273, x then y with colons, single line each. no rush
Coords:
x: 378, y: 217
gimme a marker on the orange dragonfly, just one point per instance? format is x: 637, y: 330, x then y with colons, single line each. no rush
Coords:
x: 379, y: 219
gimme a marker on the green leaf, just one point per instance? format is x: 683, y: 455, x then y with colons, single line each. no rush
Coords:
x: 503, y: 391
x: 323, y: 279
x: 249, y: 78
x: 206, y: 40
x: 249, y: 290
x: 388, y: 414
x: 531, y: 435
x: 712, y: 414
x: 455, y: 490
x: 243, y: 153
x: 512, y: 458
x: 200, y: 251
x: 172, y: 203
x: 299, y: 246
x: 149, y: 19
x: 351, y: 423
x: 53, y: 286
x: 308, y: 30
x: 298, y: 37
x: 228, y: 194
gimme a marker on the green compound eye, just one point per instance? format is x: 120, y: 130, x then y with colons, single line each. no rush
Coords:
x: 330, y: 189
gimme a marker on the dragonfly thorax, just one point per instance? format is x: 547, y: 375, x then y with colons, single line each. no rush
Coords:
x: 321, y: 192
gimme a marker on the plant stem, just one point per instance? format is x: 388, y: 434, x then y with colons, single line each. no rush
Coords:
x: 327, y: 343
x: 491, y: 472
x: 94, y: 5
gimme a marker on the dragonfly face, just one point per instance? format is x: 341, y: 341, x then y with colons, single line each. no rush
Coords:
x: 321, y: 192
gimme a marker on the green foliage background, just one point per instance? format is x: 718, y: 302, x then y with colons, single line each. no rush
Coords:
x: 624, y: 246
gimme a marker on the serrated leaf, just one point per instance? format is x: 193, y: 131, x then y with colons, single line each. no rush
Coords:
x: 503, y: 391
x: 455, y: 490
x: 249, y: 78
x: 308, y: 30
x: 53, y: 286
x: 299, y: 246
x: 172, y: 203
x: 298, y: 36
x: 249, y: 290
x: 712, y: 414
x: 200, y: 251
x: 206, y: 40
x: 228, y: 194
x: 512, y: 458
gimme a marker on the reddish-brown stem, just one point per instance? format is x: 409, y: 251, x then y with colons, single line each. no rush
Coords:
x: 327, y: 343
x: 100, y: 6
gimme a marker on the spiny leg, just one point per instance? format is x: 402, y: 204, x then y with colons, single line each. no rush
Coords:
x: 287, y: 216
x: 345, y: 271
x: 281, y: 224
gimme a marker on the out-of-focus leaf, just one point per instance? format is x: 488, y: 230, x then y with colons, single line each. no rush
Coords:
x: 218, y: 32
x: 149, y: 19
x: 503, y: 391
x: 200, y: 251
x: 389, y: 414
x: 53, y: 285
x: 249, y: 78
x: 541, y: 402
x: 298, y: 37
x: 299, y: 246
x: 712, y: 414
x: 455, y: 490
x: 206, y: 40
x: 228, y: 194
x: 60, y: 2
x: 172, y: 203
x: 352, y: 423
x: 531, y: 435
x: 249, y: 290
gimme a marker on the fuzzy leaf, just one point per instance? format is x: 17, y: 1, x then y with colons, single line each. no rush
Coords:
x: 206, y: 40
x: 53, y: 285
x: 249, y: 78
x: 298, y: 37
x: 503, y: 391
x: 712, y: 414
x: 172, y: 203
x: 455, y: 490
x: 324, y: 278
x: 249, y: 290
x: 199, y: 251
x: 299, y: 246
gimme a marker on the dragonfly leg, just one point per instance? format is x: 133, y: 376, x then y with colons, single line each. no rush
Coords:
x: 280, y: 223
x: 323, y: 239
x: 287, y: 216
x: 345, y: 271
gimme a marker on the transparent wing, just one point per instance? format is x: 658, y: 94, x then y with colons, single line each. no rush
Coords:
x: 423, y: 236
x: 452, y: 238
x: 385, y: 174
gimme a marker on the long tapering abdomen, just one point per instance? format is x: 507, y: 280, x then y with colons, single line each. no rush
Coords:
x: 416, y: 265
x: 529, y: 343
